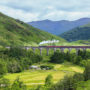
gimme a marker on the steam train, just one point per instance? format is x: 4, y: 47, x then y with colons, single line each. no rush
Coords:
x: 65, y: 46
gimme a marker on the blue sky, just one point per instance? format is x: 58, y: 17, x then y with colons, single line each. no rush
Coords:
x: 33, y: 10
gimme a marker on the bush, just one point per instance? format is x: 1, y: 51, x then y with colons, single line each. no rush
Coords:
x: 49, y: 81
x: 4, y: 84
x: 18, y: 85
x: 47, y: 67
x: 57, y: 58
x: 14, y: 67
x: 77, y: 60
x: 83, y: 85
x: 65, y: 84
x: 83, y: 63
x: 3, y: 69
x: 16, y: 52
x: 78, y: 77
x: 68, y: 83
x: 87, y: 71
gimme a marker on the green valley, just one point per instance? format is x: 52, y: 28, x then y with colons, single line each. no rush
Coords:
x: 57, y: 64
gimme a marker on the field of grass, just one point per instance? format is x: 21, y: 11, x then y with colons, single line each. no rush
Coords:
x: 37, y: 77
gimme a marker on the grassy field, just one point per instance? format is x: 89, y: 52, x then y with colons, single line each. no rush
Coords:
x: 37, y: 77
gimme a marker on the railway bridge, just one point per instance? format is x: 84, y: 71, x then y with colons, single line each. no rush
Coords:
x: 62, y: 48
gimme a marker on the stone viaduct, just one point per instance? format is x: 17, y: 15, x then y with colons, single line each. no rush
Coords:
x: 62, y: 48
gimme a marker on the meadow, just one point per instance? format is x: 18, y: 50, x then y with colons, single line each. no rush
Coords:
x: 32, y: 78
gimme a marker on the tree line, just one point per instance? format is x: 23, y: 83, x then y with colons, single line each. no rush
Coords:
x: 80, y: 59
x: 16, y: 59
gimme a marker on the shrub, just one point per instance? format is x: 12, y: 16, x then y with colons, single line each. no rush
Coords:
x: 18, y: 85
x: 49, y: 81
x: 64, y: 84
x: 4, y: 84
x: 68, y: 57
x: 87, y: 71
x: 57, y: 58
x: 14, y: 66
x: 3, y: 69
x: 78, y: 77
x: 47, y: 67
x: 83, y: 63
x: 77, y: 60
x: 83, y: 85
x: 68, y: 83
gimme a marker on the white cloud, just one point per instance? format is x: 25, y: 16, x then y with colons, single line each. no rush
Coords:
x: 32, y: 10
x: 65, y: 15
x: 19, y: 14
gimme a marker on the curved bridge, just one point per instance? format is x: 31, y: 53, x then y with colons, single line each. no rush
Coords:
x: 62, y: 48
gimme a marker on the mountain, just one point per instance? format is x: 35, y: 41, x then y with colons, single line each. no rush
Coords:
x: 16, y: 32
x: 59, y: 27
x: 79, y: 33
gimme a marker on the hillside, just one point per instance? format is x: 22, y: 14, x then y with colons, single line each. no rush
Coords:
x: 59, y: 27
x: 15, y: 32
x: 85, y: 42
x: 79, y: 33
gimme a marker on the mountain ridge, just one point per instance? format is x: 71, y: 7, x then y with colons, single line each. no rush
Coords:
x: 59, y: 27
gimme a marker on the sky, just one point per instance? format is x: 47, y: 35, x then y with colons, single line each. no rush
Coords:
x: 37, y: 10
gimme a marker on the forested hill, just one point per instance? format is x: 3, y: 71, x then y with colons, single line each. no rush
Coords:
x: 16, y: 32
x: 79, y: 33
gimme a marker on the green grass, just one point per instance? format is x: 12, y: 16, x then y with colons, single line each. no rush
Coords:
x: 37, y: 77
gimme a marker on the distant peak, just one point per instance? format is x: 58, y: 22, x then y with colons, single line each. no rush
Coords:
x: 81, y: 19
x: 84, y: 18
x: 47, y: 20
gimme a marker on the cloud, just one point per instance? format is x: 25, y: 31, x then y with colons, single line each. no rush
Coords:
x: 19, y: 14
x: 66, y: 15
x: 32, y: 10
